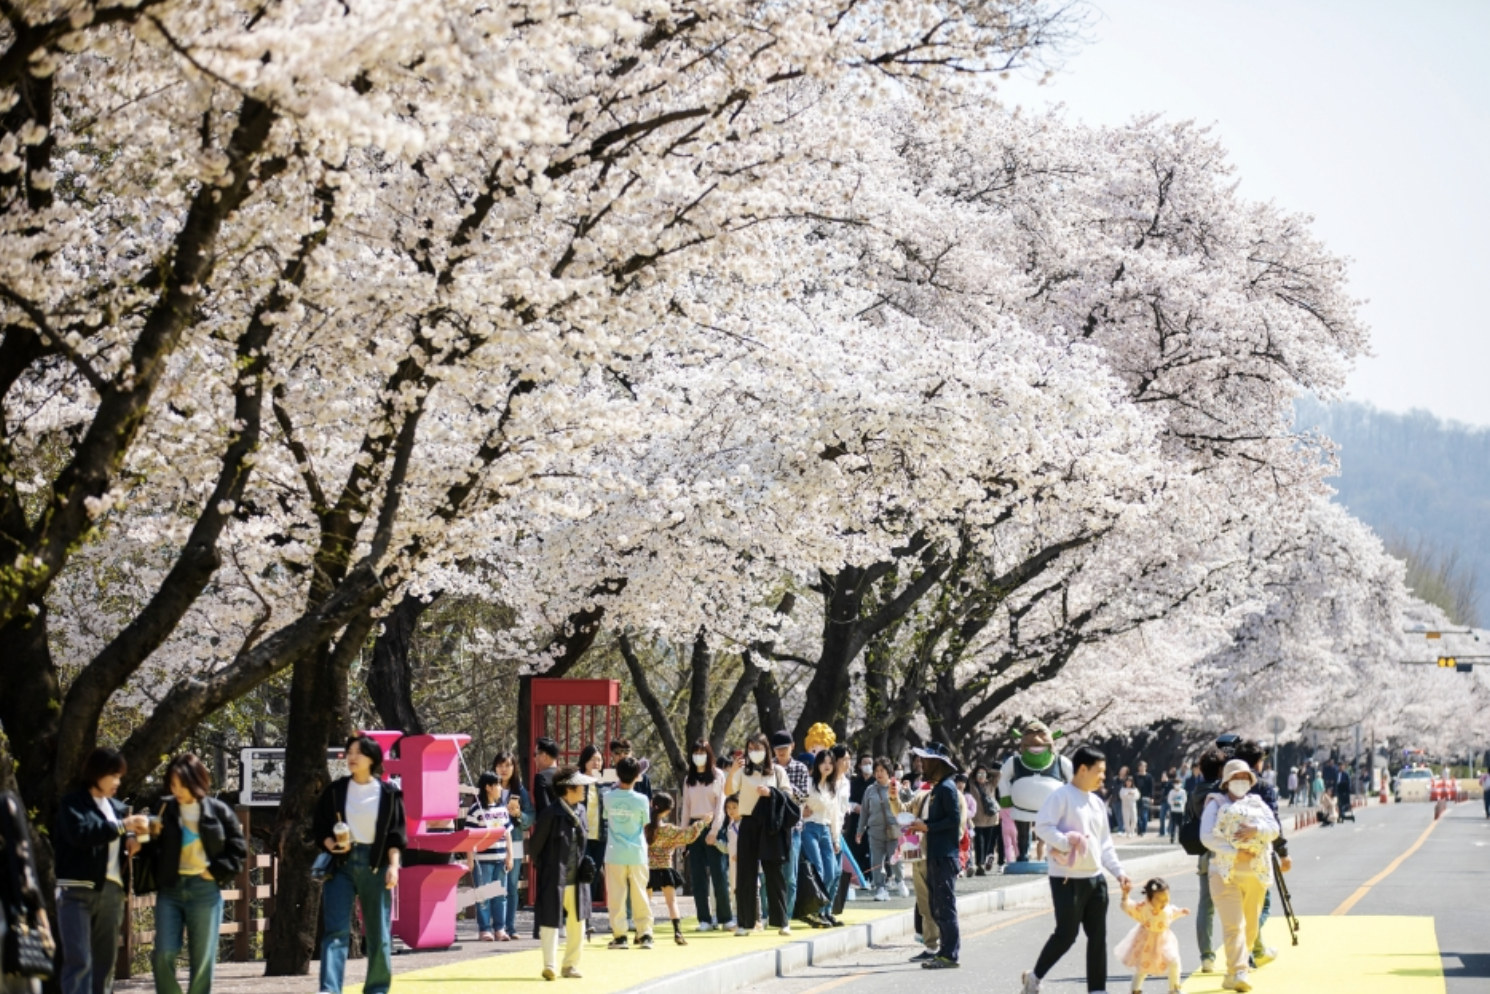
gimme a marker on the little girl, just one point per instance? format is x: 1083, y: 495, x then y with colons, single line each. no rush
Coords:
x: 662, y: 840
x: 1151, y: 947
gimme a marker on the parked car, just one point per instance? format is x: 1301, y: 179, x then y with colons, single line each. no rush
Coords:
x: 1413, y: 784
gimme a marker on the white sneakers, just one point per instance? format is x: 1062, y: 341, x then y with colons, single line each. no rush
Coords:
x: 742, y: 931
x: 905, y: 891
x: 1208, y: 965
x: 1236, y: 982
x: 1265, y: 957
x: 853, y: 894
x: 706, y: 926
x: 1029, y: 983
x: 882, y: 895
x: 784, y: 930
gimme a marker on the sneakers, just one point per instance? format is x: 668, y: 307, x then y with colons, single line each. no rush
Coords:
x: 645, y: 942
x: 728, y: 926
x: 706, y: 926
x: 619, y: 942
x: 1208, y: 964
x: 784, y: 930
x: 741, y: 931
x: 1029, y: 983
x: 549, y: 974
x: 501, y: 936
x: 905, y: 890
x: 1266, y: 956
x: 678, y: 939
x: 1237, y: 982
x: 940, y: 963
x: 572, y: 973
x: 882, y: 895
x: 486, y: 937
x: 853, y: 894
x: 923, y: 956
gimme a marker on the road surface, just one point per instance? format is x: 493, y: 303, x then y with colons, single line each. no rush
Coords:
x: 1391, y: 904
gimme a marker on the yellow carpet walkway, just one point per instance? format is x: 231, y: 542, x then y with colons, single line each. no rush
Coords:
x: 1358, y: 954
x: 605, y: 971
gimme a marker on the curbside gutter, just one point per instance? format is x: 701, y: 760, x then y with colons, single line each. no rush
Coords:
x: 751, y: 968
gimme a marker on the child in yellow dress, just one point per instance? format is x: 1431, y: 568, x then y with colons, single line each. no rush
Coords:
x: 1151, y: 948
x: 663, y: 839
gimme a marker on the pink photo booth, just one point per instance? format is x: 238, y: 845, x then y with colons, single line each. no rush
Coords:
x: 429, y: 768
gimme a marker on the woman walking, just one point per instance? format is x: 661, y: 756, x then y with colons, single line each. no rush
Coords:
x: 822, y: 814
x: 1238, y: 828
x: 762, y: 786
x: 564, y: 873
x: 708, y: 867
x: 91, y: 832
x: 591, y: 763
x: 200, y: 849
x: 360, y: 821
x: 985, y: 820
x: 22, y: 906
x: 521, y: 815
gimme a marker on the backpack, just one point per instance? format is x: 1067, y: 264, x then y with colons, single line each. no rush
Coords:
x: 1190, y: 828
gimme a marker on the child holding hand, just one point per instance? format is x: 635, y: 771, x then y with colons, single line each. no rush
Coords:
x: 663, y: 839
x: 1151, y: 948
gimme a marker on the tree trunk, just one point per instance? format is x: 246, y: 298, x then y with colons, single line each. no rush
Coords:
x: 653, y: 705
x: 389, y: 678
x: 29, y: 712
x: 700, y: 662
x: 768, y: 703
x: 725, y: 717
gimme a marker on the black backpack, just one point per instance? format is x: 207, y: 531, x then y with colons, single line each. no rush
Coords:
x: 1190, y: 827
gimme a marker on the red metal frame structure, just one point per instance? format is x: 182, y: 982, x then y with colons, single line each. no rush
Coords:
x: 574, y: 713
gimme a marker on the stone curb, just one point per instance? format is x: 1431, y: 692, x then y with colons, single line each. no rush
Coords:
x: 752, y: 968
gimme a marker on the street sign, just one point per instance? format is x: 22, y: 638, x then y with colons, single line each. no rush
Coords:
x: 1276, y: 725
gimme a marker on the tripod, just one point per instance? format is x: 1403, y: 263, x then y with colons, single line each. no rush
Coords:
x: 1285, y: 900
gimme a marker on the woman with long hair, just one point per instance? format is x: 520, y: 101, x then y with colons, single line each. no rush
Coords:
x: 985, y: 819
x: 703, y: 801
x: 591, y: 763
x: 821, y: 817
x: 754, y: 777
x: 360, y: 821
x: 199, y: 850
x: 514, y: 797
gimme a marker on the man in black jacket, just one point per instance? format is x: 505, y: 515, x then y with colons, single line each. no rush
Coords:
x: 1144, y: 782
x: 943, y: 827
x: 1210, y: 765
x: 545, y: 765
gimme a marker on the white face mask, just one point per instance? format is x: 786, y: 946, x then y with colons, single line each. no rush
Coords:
x: 700, y: 758
x: 757, y: 757
x: 867, y: 769
x: 1238, y: 788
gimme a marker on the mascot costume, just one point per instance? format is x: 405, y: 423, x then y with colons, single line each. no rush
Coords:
x: 1029, y: 777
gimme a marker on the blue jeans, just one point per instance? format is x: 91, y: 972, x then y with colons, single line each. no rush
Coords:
x: 817, y: 846
x: 491, y: 914
x: 192, y: 907
x: 791, y: 873
x: 88, y: 924
x: 356, y: 880
x: 706, y: 866
x: 512, y: 898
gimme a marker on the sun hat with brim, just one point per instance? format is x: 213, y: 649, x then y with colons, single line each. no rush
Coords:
x: 576, y: 780
x: 935, y: 750
x: 1234, y: 767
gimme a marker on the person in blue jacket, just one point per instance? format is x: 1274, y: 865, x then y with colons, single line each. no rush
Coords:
x: 91, y: 832
x: 942, y: 829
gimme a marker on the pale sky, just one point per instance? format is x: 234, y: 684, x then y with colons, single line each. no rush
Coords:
x: 1370, y: 115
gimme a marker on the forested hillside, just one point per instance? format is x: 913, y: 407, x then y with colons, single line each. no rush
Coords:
x: 1419, y: 481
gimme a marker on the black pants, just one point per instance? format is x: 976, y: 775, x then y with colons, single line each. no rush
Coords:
x: 1080, y: 905
x: 986, y: 839
x: 748, y: 863
x: 941, y: 891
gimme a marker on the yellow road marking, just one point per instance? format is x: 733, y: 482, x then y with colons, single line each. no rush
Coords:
x: 1011, y: 921
x: 820, y: 988
x: 1361, y: 892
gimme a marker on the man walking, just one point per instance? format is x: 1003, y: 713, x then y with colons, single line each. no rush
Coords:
x: 1073, y: 824
x: 545, y: 764
x: 942, y: 829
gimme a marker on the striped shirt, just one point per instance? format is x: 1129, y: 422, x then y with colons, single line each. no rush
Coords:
x: 481, y: 816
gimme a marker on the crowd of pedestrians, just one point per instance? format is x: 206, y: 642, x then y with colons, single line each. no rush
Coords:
x: 768, y: 837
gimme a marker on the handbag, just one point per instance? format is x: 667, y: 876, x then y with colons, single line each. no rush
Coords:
x: 586, y: 872
x: 30, y: 951
x: 321, y: 868
x: 142, y: 872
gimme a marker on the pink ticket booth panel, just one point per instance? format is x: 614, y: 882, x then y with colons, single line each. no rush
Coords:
x: 429, y: 768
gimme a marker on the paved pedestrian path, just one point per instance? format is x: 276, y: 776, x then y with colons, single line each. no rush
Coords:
x: 1359, y: 955
x: 607, y: 971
